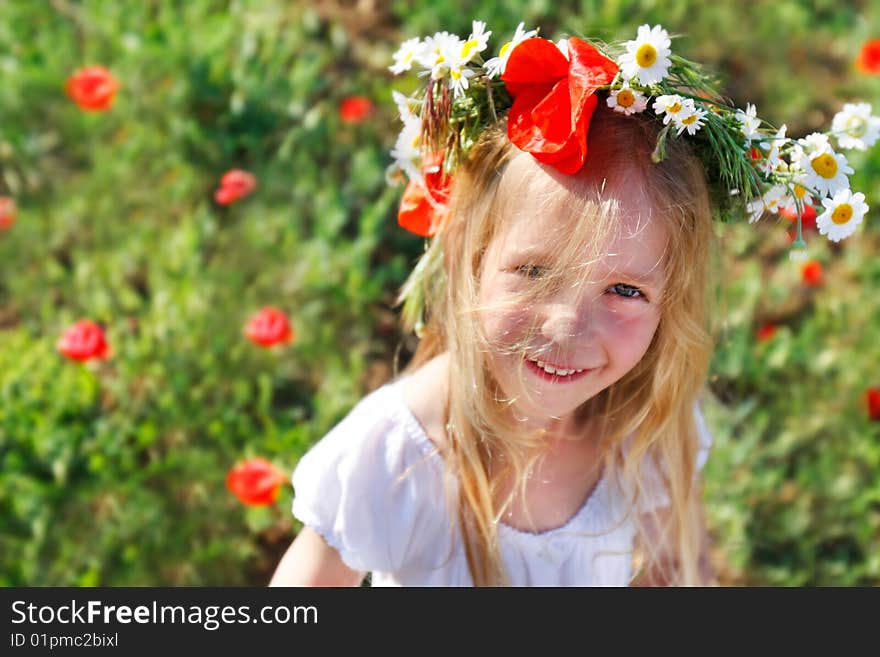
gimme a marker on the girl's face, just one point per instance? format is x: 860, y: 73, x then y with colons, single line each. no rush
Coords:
x: 604, y: 326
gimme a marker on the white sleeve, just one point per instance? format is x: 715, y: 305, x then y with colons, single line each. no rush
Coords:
x: 362, y: 488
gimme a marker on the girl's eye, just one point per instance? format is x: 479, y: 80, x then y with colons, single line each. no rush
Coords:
x: 627, y: 291
x: 531, y: 271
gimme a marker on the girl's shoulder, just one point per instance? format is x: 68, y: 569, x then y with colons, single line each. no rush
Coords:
x: 380, y: 432
x: 424, y: 396
x: 370, y: 486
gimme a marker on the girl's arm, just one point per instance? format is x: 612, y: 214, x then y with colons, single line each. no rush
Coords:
x: 309, y: 561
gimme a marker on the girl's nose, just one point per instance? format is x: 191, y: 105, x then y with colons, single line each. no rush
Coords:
x: 567, y: 318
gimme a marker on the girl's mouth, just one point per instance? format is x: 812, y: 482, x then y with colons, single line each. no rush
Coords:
x: 557, y: 377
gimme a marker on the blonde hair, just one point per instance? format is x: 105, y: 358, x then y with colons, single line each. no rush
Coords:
x: 653, y: 403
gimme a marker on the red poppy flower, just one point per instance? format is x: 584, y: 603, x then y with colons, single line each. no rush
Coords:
x: 554, y: 99
x: 872, y: 402
x: 808, y: 216
x: 255, y: 482
x: 235, y: 185
x: 269, y: 327
x: 811, y: 273
x: 84, y: 341
x: 92, y: 89
x: 423, y: 206
x: 355, y: 109
x: 868, y: 60
x: 766, y: 332
x: 8, y: 212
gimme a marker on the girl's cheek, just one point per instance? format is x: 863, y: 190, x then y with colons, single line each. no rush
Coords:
x: 631, y: 322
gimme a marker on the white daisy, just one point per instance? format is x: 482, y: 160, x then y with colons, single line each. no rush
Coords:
x: 407, y: 148
x: 823, y: 170
x: 797, y: 195
x: 476, y: 43
x: 855, y: 127
x: 408, y: 52
x: 648, y: 56
x: 437, y: 52
x: 842, y: 215
x: 690, y: 119
x: 775, y: 198
x: 627, y: 101
x: 755, y: 208
x: 671, y: 106
x: 496, y: 65
x: 458, y: 78
x: 815, y: 141
x: 562, y: 46
x: 749, y: 123
x: 403, y: 106
x: 773, y: 160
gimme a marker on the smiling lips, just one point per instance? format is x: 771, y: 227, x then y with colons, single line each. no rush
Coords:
x: 550, y: 373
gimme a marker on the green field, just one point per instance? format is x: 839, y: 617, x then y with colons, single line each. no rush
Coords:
x: 113, y: 471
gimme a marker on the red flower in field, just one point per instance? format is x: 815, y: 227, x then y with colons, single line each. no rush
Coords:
x: 872, y: 402
x: 235, y: 185
x: 808, y: 216
x: 423, y: 206
x: 255, y: 482
x: 8, y: 212
x: 755, y: 154
x: 868, y: 60
x: 269, y: 327
x: 766, y: 332
x: 811, y: 273
x: 84, y: 341
x: 355, y: 109
x: 554, y: 99
x: 92, y: 89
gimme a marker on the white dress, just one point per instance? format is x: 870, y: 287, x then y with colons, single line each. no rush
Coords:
x: 373, y: 488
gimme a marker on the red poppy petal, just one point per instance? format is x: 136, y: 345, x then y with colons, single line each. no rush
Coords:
x: 416, y: 214
x: 589, y: 69
x: 534, y: 61
x: 551, y: 121
x: 521, y: 128
x: 571, y: 156
x: 552, y: 117
x: 225, y: 196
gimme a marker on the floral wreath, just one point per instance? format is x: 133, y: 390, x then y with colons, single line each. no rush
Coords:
x: 549, y: 92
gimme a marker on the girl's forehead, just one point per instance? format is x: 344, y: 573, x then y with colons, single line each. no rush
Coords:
x: 543, y: 215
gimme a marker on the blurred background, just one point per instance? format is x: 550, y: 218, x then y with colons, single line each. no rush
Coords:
x: 234, y: 319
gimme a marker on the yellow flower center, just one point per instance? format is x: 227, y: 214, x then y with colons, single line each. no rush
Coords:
x: 505, y: 48
x: 625, y: 98
x: 468, y: 48
x: 407, y: 58
x: 842, y: 213
x: 688, y: 120
x: 825, y: 165
x: 675, y: 108
x: 455, y: 73
x: 646, y: 55
x: 799, y: 192
x: 856, y: 126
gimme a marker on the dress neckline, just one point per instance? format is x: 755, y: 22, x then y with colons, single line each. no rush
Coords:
x: 574, y: 523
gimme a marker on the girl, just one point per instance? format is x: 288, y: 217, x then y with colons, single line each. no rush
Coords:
x: 479, y: 464
x: 547, y: 430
